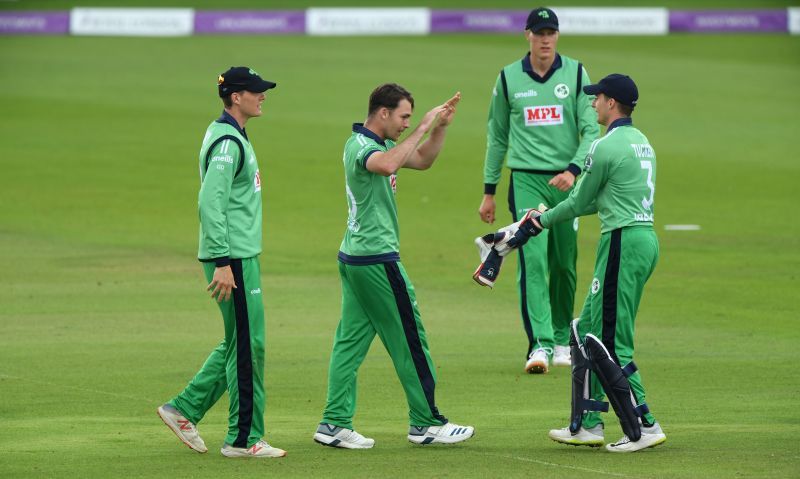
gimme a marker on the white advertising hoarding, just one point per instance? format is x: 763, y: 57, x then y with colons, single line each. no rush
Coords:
x: 794, y: 20
x: 134, y: 22
x: 613, y: 21
x: 368, y: 21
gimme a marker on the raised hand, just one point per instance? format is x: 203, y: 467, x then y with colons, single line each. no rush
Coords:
x: 446, y: 117
x: 431, y: 117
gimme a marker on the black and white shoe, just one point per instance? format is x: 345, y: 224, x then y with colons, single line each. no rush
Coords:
x: 446, y: 434
x: 651, y: 437
x: 335, y: 436
x: 592, y: 437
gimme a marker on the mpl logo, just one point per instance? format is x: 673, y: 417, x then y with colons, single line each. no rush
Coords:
x: 544, y: 115
x: 257, y: 181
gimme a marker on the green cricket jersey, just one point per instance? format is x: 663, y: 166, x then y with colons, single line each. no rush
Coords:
x: 372, y: 234
x: 544, y: 124
x: 230, y: 194
x: 619, y: 181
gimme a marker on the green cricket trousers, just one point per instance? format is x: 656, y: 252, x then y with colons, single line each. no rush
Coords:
x: 237, y: 363
x: 626, y: 258
x: 546, y: 268
x: 379, y: 299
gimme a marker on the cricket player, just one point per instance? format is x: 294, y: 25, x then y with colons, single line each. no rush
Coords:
x: 541, y: 124
x: 230, y: 242
x: 619, y: 184
x: 377, y: 296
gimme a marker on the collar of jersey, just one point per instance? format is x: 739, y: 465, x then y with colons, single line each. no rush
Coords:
x: 528, y: 68
x: 359, y: 128
x: 227, y: 118
x: 627, y: 121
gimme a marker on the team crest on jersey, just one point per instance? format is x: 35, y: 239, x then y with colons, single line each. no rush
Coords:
x: 393, y: 182
x: 257, y: 181
x: 561, y: 91
x: 544, y: 115
x: 587, y: 163
x: 595, y: 285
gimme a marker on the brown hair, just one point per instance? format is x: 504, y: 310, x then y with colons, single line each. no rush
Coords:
x: 625, y: 109
x: 388, y: 96
x: 227, y: 101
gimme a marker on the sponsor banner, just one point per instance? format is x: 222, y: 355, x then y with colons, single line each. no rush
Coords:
x: 572, y: 21
x: 34, y: 23
x: 477, y: 21
x: 264, y: 22
x: 135, y: 22
x: 368, y: 21
x: 613, y: 21
x: 794, y: 20
x: 715, y: 21
x: 388, y: 21
x: 544, y: 115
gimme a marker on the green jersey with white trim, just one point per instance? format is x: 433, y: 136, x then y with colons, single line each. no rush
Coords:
x: 539, y: 123
x: 229, y: 202
x: 372, y: 234
x: 619, y: 181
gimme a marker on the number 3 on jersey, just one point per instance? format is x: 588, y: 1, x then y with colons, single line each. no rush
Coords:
x: 647, y: 203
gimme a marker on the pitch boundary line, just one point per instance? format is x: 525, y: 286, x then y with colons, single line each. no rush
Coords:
x: 553, y: 464
x: 76, y: 388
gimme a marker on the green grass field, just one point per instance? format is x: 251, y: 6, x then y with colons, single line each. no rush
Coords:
x: 103, y: 314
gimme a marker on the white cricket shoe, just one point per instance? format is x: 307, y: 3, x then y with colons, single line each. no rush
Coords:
x: 585, y: 437
x: 260, y: 449
x: 446, y: 434
x: 537, y: 362
x: 651, y: 437
x: 182, y: 427
x: 561, y: 356
x: 335, y: 436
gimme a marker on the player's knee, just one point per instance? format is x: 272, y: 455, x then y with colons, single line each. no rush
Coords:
x: 562, y: 272
x: 258, y: 348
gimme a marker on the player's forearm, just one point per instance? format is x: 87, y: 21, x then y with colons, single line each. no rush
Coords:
x: 492, y: 170
x: 589, y: 131
x: 493, y: 162
x: 580, y: 202
x: 429, y: 150
x: 496, y: 148
x: 213, y: 231
x: 212, y: 203
x: 394, y: 159
x: 561, y: 212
